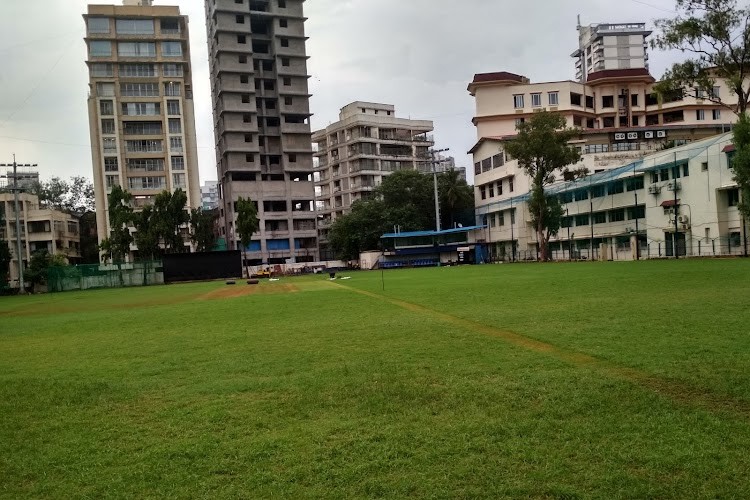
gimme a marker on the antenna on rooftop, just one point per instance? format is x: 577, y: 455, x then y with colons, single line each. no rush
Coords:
x: 579, y: 22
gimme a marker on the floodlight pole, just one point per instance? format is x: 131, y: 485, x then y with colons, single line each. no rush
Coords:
x: 435, y: 185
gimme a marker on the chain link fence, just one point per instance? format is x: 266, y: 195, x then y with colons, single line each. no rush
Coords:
x: 90, y: 276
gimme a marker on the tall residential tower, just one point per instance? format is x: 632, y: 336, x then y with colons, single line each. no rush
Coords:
x: 141, y: 114
x: 610, y: 46
x: 261, y: 118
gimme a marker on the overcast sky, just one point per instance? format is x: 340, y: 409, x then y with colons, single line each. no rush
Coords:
x: 416, y: 54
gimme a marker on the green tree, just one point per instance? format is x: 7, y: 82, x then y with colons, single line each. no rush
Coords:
x: 89, y: 238
x: 543, y: 151
x: 361, y: 228
x: 456, y: 200
x: 117, y: 245
x: 146, y: 233
x: 5, y: 258
x: 247, y: 225
x: 169, y: 216
x: 202, y: 224
x: 408, y: 198
x: 716, y: 33
x: 39, y: 265
x: 741, y: 162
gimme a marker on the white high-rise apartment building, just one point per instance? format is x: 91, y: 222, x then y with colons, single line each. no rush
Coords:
x: 610, y: 46
x: 141, y: 114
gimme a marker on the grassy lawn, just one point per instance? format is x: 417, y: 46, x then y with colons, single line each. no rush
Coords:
x: 619, y: 380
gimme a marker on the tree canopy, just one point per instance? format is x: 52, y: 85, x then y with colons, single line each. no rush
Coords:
x: 202, y: 223
x: 404, y: 199
x: 75, y: 197
x: 5, y: 258
x: 716, y: 34
x: 117, y: 245
x: 247, y: 223
x: 543, y: 152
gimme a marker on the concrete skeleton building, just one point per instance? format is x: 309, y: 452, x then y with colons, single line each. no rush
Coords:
x: 261, y: 110
x: 620, y: 119
x: 210, y: 195
x: 353, y: 155
x: 141, y: 113
x: 41, y: 229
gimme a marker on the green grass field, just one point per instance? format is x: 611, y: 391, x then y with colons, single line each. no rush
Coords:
x: 619, y: 380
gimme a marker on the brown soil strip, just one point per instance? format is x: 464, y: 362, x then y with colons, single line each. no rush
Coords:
x: 677, y: 391
x: 241, y: 290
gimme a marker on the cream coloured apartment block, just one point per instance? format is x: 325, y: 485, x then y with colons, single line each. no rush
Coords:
x: 41, y: 229
x: 261, y: 111
x: 353, y: 155
x: 683, y: 198
x: 141, y: 112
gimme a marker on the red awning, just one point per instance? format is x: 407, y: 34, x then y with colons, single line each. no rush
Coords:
x: 728, y: 149
x: 670, y: 203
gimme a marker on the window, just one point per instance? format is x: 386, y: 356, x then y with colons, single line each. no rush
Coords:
x: 144, y: 146
x: 288, y: 101
x: 477, y: 168
x: 134, y: 26
x: 172, y: 89
x: 510, y: 184
x: 638, y: 212
x: 175, y: 144
x: 716, y: 114
x: 686, y: 170
x: 110, y: 164
x: 178, y: 163
x: 282, y: 4
x: 172, y: 69
x: 616, y: 187
x: 136, y: 49
x: 664, y: 175
x: 518, y: 101
x: 178, y: 181
x: 700, y: 114
x: 582, y: 220
x: 733, y: 197
x: 241, y: 39
x: 171, y: 49
x: 292, y: 158
x: 173, y: 108
x: 634, y: 100
x: 492, y: 190
x: 598, y: 191
x: 536, y: 100
x: 108, y: 126
x: 146, y: 165
x: 287, y: 81
x: 704, y: 166
x: 106, y: 108
x: 635, y: 183
x: 600, y: 218
x: 498, y: 160
x: 175, y: 126
x: 285, y: 42
x: 250, y: 158
x: 635, y: 121
x: 139, y: 90
x: 98, y: 25
x: 285, y: 61
x: 239, y: 19
x: 500, y: 188
x: 102, y: 69
x: 513, y: 216
x: 248, y: 137
x: 483, y: 192
x: 617, y: 215
x: 140, y: 108
x: 112, y: 181
x: 105, y: 89
x: 100, y: 48
x: 242, y: 59
x: 140, y: 183
x: 247, y: 118
x: 501, y: 218
x: 608, y: 101
x: 715, y: 93
x: 170, y: 26
x: 553, y: 98
x: 581, y: 194
x: 128, y: 70
x: 142, y: 128
x: 283, y: 23
x: 109, y: 144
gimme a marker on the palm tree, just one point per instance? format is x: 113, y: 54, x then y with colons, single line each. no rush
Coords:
x: 455, y: 196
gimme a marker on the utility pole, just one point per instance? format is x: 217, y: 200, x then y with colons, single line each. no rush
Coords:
x: 674, y: 181
x: 19, y: 251
x: 635, y: 213
x: 434, y: 178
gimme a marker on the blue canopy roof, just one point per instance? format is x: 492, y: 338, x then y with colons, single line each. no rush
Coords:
x: 415, y: 234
